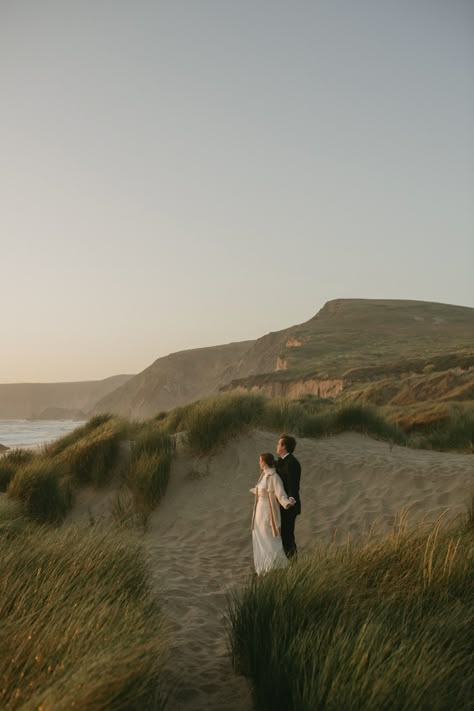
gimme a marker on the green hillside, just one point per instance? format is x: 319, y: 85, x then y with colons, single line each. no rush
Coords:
x: 347, y: 343
x: 360, y: 333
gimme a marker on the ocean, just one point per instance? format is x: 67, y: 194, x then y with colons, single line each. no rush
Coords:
x: 31, y: 433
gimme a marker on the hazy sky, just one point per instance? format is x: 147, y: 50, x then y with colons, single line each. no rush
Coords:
x: 187, y: 173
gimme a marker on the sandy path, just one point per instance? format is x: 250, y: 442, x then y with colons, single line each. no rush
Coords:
x: 200, y: 551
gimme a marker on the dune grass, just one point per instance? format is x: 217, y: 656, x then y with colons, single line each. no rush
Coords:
x: 12, y: 517
x: 44, y: 490
x: 211, y: 422
x: 218, y: 419
x: 44, y: 481
x: 92, y: 456
x: 80, y: 433
x: 387, y: 625
x: 457, y: 432
x: 150, y: 437
x: 79, y: 627
x: 147, y: 477
x: 10, y: 462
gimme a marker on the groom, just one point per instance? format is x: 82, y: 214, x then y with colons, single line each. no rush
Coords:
x: 289, y: 471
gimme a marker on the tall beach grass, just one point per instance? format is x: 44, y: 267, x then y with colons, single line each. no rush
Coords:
x: 386, y: 625
x: 10, y: 462
x: 44, y: 489
x: 94, y: 455
x: 148, y: 475
x: 45, y: 480
x: 211, y: 422
x: 79, y: 627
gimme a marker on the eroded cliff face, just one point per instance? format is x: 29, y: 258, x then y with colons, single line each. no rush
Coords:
x: 293, y: 388
x: 293, y: 342
x: 281, y: 364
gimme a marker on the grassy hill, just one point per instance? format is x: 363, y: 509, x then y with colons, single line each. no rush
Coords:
x: 349, y: 342
x: 355, y: 333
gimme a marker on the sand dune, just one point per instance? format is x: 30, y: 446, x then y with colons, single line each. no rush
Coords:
x: 200, y: 544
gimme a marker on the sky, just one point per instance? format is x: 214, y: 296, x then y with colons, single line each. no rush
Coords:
x: 187, y: 173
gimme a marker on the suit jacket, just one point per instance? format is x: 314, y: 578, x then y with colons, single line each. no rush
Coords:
x: 289, y: 471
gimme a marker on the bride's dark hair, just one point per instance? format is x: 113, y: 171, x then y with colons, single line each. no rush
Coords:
x: 268, y: 459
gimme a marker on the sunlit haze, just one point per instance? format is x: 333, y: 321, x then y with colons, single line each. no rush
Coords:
x: 190, y: 173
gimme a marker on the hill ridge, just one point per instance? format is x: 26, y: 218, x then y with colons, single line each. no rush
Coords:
x: 344, y: 335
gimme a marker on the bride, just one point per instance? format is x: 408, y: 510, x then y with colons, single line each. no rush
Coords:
x: 269, y: 492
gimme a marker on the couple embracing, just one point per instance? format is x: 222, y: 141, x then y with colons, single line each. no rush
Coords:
x: 277, y: 504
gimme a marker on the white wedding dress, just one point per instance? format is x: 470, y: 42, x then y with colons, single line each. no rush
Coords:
x: 267, y: 547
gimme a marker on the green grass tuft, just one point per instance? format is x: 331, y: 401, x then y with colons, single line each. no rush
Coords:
x: 152, y: 438
x: 79, y: 433
x: 359, y: 418
x: 10, y: 463
x: 149, y: 472
x: 43, y: 489
x: 212, y: 422
x: 148, y: 481
x: 470, y: 514
x: 456, y: 433
x: 92, y: 458
x: 209, y: 423
x: 44, y: 480
x: 12, y: 517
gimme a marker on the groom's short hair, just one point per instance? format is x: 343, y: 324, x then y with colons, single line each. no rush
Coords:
x: 288, y: 442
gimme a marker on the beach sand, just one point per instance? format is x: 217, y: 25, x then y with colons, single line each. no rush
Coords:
x: 199, y: 539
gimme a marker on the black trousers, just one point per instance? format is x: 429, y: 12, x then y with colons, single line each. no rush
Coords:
x: 288, y: 520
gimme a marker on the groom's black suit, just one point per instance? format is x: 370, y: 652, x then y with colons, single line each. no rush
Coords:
x: 289, y: 471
